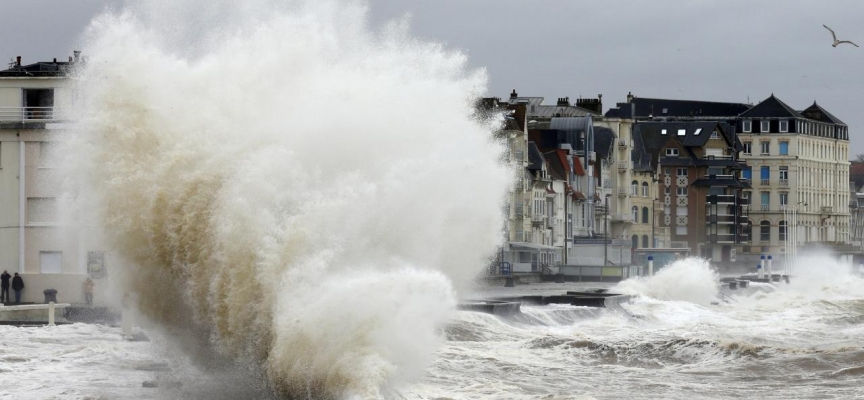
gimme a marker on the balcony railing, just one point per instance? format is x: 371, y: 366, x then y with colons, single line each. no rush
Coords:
x: 35, y: 114
x: 623, y: 166
x: 765, y: 182
x: 622, y: 192
x: 764, y: 207
x: 784, y: 182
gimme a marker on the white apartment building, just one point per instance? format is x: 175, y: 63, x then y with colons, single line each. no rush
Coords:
x: 32, y: 241
x: 798, y: 160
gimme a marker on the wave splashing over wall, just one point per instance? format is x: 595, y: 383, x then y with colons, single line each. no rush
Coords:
x: 305, y: 193
x: 689, y: 279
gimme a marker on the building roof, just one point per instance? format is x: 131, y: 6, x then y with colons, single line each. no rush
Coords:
x: 535, y: 157
x: 557, y: 166
x: 649, y: 139
x: 604, y: 141
x: 820, y: 114
x: 648, y: 107
x: 39, y: 69
x: 771, y: 107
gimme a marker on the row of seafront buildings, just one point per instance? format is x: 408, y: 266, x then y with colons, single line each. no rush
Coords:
x: 715, y: 178
x: 728, y: 182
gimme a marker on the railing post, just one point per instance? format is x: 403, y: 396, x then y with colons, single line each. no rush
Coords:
x: 51, y: 313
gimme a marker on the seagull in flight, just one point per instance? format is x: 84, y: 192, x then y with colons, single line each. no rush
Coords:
x: 836, y: 42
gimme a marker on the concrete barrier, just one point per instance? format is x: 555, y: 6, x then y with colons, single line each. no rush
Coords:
x: 491, y: 307
x: 34, y: 313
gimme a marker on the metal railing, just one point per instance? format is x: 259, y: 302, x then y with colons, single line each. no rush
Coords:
x: 30, y: 113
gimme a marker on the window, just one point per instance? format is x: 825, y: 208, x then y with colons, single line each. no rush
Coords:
x: 645, y: 189
x: 667, y: 171
x: 715, y: 170
x: 671, y: 152
x: 698, y: 131
x: 748, y: 147
x: 784, y: 174
x: 784, y: 198
x: 667, y: 190
x: 662, y: 131
x: 634, y: 242
x: 50, y: 262
x: 747, y: 173
x: 764, y: 126
x: 645, y: 241
x: 765, y: 173
x: 715, y: 135
x: 644, y: 215
x: 635, y: 211
x: 746, y: 126
x: 681, y: 230
x: 782, y: 231
x: 784, y: 125
x: 766, y: 200
x: 682, y: 132
x: 681, y: 190
x: 682, y: 171
x: 784, y: 148
x: 765, y: 231
x: 766, y: 147
x: 634, y: 188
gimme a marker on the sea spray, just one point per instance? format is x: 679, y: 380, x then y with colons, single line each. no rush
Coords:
x: 689, y: 279
x: 304, y: 193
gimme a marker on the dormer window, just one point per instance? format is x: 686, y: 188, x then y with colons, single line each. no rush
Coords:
x: 672, y: 152
x: 665, y: 110
x: 746, y: 126
x: 698, y: 131
x: 663, y: 132
x: 765, y: 127
x: 784, y: 125
x: 682, y: 132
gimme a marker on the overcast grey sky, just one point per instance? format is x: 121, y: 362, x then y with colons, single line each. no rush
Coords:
x: 730, y: 50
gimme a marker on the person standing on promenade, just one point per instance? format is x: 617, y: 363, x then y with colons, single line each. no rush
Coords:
x: 87, y: 287
x: 4, y: 287
x: 17, y: 286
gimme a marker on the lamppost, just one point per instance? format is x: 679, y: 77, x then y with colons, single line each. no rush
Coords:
x: 606, y: 229
x: 653, y: 222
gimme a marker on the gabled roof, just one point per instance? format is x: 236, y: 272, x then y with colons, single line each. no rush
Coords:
x: 646, y: 107
x: 604, y: 141
x: 642, y: 160
x: 649, y: 140
x: 536, y: 108
x: 771, y: 107
x: 557, y: 166
x: 820, y: 114
x: 535, y: 157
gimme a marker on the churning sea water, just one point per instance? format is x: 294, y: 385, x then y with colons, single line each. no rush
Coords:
x: 296, y: 202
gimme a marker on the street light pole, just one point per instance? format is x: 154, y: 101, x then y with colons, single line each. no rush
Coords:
x: 653, y: 222
x: 606, y: 230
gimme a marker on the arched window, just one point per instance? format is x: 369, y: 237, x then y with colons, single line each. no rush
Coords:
x: 635, y: 211
x: 634, y: 242
x: 782, y: 236
x: 765, y: 231
x: 645, y: 189
x: 634, y: 188
x: 644, y: 215
x: 645, y: 241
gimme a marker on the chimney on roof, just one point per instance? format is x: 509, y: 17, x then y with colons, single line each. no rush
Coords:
x: 630, y: 97
x: 18, y: 61
x: 55, y: 60
x: 595, y: 105
x: 77, y: 54
x: 513, y: 94
x: 70, y: 59
x: 564, y: 101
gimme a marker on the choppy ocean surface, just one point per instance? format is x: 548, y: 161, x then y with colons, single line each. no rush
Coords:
x: 798, y: 341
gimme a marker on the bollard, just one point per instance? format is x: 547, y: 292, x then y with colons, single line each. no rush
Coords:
x: 761, y: 269
x: 509, y: 282
x: 733, y: 285
x: 769, y: 270
x: 743, y: 284
x: 650, y: 265
x: 51, y: 313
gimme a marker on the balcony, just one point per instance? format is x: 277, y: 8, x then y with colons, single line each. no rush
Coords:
x: 622, y: 218
x: 722, y: 238
x: 721, y: 219
x: 538, y: 220
x: 622, y: 192
x: 764, y: 207
x: 721, y: 199
x: 622, y: 143
x: 827, y: 210
x: 31, y: 114
x: 623, y: 166
x: 784, y: 182
x: 765, y: 182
